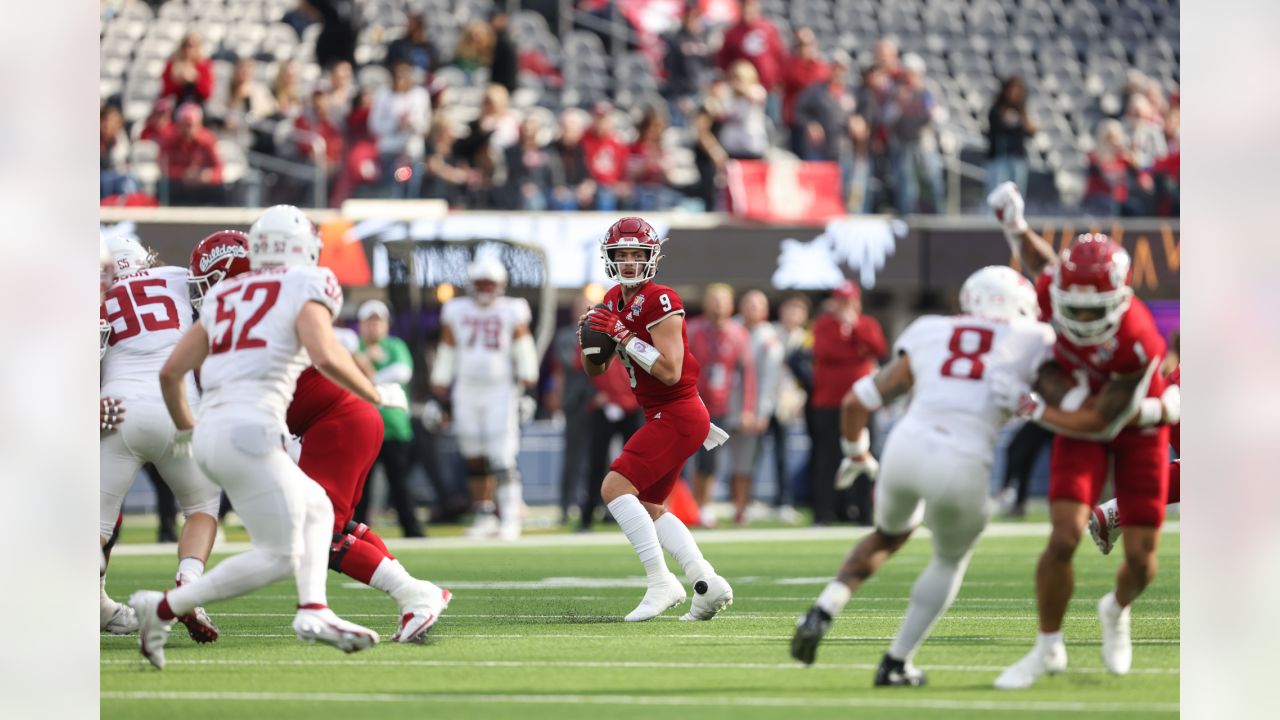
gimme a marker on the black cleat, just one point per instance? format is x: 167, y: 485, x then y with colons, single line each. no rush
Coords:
x: 809, y: 632
x: 896, y: 673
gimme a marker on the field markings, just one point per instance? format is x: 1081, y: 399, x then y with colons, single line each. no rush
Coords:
x: 589, y: 664
x: 729, y: 615
x: 941, y: 704
x: 943, y: 639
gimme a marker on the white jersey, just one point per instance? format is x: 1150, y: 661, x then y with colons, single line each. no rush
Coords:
x: 148, y: 312
x: 953, y: 360
x: 255, y: 355
x: 482, y: 338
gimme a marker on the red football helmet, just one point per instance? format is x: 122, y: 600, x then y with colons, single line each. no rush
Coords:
x: 222, y: 254
x: 631, y: 232
x: 1090, y: 289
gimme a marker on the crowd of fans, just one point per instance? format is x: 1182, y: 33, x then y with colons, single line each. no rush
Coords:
x: 743, y: 91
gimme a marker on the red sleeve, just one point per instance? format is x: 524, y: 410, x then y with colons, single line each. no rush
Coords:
x: 725, y: 55
x: 824, y: 329
x: 870, y: 336
x: 1042, y: 294
x: 660, y: 302
x: 204, y: 79
x: 215, y: 162
x: 748, y: 374
x: 167, y: 84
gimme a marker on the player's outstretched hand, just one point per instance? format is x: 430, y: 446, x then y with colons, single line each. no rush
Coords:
x: 110, y: 414
x: 608, y: 322
x: 434, y: 417
x: 1008, y: 205
x: 852, y: 467
x: 528, y: 407
x: 391, y: 396
x: 181, y: 444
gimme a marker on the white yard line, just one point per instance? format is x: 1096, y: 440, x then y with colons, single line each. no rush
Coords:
x: 727, y: 615
x: 450, y: 635
x: 941, y: 704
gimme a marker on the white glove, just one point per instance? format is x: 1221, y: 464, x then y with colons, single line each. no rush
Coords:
x: 432, y: 416
x: 1171, y: 399
x: 851, y: 468
x: 391, y: 396
x: 181, y: 447
x: 1008, y: 205
x: 1007, y: 391
x: 527, y: 407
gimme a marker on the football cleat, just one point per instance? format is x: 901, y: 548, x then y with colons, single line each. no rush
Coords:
x: 710, y: 596
x: 122, y: 621
x: 421, y: 613
x: 810, y: 630
x: 199, y: 626
x: 1025, y: 672
x: 898, y: 673
x: 153, y: 632
x: 509, y: 531
x: 324, y: 626
x: 1117, y: 650
x: 658, y: 599
x: 485, y: 525
x: 1103, y: 523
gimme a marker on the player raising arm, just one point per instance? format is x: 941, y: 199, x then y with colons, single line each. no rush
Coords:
x: 253, y: 339
x: 937, y: 460
x: 643, y: 323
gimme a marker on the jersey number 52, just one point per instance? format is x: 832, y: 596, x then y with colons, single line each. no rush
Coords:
x: 265, y: 294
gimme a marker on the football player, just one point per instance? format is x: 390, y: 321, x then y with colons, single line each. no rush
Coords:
x: 487, y: 355
x: 147, y: 310
x: 250, y: 345
x: 644, y: 322
x: 1103, y: 397
x: 937, y: 460
x: 341, y: 435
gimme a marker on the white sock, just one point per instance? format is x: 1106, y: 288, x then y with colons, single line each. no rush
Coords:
x: 834, y: 597
x: 635, y: 523
x: 391, y: 578
x: 1046, y: 641
x: 237, y: 575
x: 106, y: 606
x: 931, y: 595
x: 676, y: 539
x: 510, y: 498
x: 189, y: 568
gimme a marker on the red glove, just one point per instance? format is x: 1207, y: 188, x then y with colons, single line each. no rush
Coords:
x: 607, y: 322
x: 1030, y: 406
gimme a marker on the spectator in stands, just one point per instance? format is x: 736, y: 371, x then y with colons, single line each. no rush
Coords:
x: 1167, y: 170
x: 505, y: 62
x: 648, y: 163
x: 160, y: 122
x: 532, y: 170
x: 415, y: 45
x: 342, y: 92
x: 286, y: 91
x: 188, y: 74
x: 614, y: 413
x: 789, y: 403
x: 113, y: 154
x: 337, y: 40
x: 358, y: 174
x: 744, y: 127
x: 578, y: 189
x: 570, y: 395
x: 688, y: 65
x: 913, y: 145
x: 246, y: 101
x: 497, y: 126
x: 769, y: 354
x: 804, y: 69
x: 400, y: 116
x: 1112, y: 178
x: 846, y: 346
x: 727, y: 385
x: 300, y: 17
x: 475, y: 48
x: 755, y: 40
x: 392, y: 363
x: 821, y: 117
x: 1008, y: 127
x: 1145, y: 128
x: 316, y: 118
x: 859, y: 185
x: 447, y: 175
x: 606, y: 158
x: 709, y: 156
x: 189, y: 156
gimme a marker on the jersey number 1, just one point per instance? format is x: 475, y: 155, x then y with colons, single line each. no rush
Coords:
x: 269, y: 291
x: 975, y: 368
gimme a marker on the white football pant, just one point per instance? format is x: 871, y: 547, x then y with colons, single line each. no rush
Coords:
x: 487, y: 424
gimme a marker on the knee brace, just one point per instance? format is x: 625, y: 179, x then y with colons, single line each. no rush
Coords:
x: 338, y: 549
x: 355, y: 529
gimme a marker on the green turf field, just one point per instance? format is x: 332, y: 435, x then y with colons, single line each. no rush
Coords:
x: 535, y: 631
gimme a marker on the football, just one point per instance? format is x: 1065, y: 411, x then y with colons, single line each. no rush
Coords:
x: 596, y: 346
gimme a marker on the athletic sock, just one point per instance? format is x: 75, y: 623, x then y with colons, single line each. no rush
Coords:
x: 510, y: 497
x: 361, y: 560
x: 834, y: 597
x: 931, y: 595
x: 189, y: 569
x: 676, y: 539
x: 393, y: 579
x: 635, y: 523
x: 1047, y: 640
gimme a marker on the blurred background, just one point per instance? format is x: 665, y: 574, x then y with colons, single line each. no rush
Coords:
x: 812, y: 159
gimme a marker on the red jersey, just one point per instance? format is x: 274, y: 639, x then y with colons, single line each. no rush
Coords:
x: 653, y: 304
x: 727, y: 382
x: 1136, y: 344
x: 313, y: 396
x: 1175, y: 431
x: 842, y: 354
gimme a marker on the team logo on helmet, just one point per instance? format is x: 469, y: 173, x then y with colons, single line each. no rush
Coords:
x: 219, y: 253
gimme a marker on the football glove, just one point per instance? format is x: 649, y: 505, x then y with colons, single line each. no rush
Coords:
x: 857, y: 461
x: 433, y: 416
x: 607, y: 322
x: 391, y: 396
x: 527, y: 407
x: 181, y: 444
x: 1008, y: 205
x: 110, y: 414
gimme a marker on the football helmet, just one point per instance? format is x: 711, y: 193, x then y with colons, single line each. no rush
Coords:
x: 283, y: 236
x: 1090, y: 290
x: 129, y: 254
x: 222, y: 254
x: 631, y: 232
x: 999, y: 293
x: 486, y: 279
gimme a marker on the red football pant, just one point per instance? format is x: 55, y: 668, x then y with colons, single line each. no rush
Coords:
x: 655, y: 454
x: 1175, y: 482
x: 1078, y: 470
x: 338, y: 450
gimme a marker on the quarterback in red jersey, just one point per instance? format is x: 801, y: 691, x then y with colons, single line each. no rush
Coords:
x: 1105, y: 400
x: 341, y: 436
x: 645, y: 321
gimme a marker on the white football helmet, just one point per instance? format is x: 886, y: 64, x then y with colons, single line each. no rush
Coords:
x: 999, y: 293
x: 283, y: 236
x: 489, y: 269
x: 128, y: 254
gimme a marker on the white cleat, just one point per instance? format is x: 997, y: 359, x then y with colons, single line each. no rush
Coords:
x: 1117, y: 649
x: 509, y: 532
x: 710, y: 596
x: 421, y: 613
x: 326, y: 627
x: 152, y: 631
x: 1023, y: 674
x: 120, y: 619
x: 1104, y: 521
x: 484, y: 526
x: 658, y: 599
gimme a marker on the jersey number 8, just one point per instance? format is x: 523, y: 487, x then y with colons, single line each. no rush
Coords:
x: 984, y: 339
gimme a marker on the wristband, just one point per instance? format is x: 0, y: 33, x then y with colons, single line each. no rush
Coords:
x: 1150, y: 412
x: 856, y: 448
x: 867, y: 393
x: 643, y: 353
